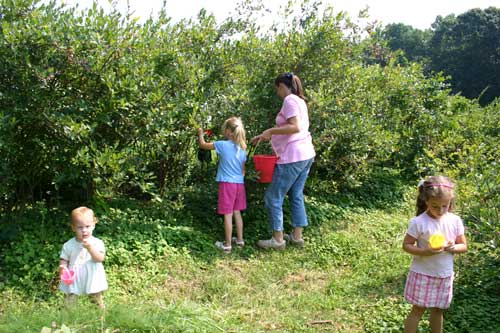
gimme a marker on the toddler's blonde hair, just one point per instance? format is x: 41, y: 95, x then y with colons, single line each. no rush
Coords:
x: 83, y: 211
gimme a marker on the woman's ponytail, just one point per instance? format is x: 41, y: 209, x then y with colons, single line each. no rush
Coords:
x: 292, y: 82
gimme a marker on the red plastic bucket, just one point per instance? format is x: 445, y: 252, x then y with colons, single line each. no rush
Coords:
x: 265, y: 164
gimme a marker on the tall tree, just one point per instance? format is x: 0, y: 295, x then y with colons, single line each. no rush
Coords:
x: 404, y: 37
x: 467, y: 47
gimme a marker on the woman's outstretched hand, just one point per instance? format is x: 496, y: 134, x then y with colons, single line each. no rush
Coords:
x: 255, y: 139
x: 264, y: 136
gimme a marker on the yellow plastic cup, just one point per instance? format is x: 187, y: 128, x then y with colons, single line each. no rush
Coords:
x: 436, y: 241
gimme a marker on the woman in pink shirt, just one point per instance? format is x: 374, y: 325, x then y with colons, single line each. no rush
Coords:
x: 292, y: 143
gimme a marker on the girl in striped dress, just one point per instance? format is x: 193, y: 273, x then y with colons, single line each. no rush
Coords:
x: 433, y: 237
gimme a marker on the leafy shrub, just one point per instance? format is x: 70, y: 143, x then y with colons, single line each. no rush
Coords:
x: 99, y: 106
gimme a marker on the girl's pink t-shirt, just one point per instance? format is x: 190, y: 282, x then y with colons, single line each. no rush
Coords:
x: 298, y: 146
x: 422, y: 228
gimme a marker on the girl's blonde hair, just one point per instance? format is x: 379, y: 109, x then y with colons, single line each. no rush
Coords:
x: 235, y: 125
x: 82, y: 211
x: 435, y: 187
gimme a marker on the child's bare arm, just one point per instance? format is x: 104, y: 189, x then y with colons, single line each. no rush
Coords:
x: 409, y: 245
x: 201, y: 140
x: 96, y: 254
x: 460, y: 245
x: 62, y: 265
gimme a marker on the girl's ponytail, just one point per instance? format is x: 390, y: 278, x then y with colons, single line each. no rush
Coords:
x: 421, y: 201
x: 292, y: 82
x: 235, y: 125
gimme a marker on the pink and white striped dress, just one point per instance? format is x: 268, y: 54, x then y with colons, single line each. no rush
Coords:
x: 429, y: 291
x: 430, y: 281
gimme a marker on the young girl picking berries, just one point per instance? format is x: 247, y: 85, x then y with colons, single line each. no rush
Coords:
x: 230, y: 176
x: 82, y: 256
x: 433, y: 237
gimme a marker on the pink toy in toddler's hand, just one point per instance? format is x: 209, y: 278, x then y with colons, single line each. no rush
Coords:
x: 68, y: 276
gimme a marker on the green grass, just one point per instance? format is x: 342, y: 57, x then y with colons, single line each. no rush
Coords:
x: 165, y: 274
x: 349, y: 278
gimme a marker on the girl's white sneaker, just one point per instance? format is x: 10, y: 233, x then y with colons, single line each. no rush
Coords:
x: 222, y: 247
x: 239, y: 243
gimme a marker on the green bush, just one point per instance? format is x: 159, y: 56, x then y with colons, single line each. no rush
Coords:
x: 95, y: 105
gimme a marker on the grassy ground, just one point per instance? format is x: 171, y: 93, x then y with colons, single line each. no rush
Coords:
x: 348, y: 278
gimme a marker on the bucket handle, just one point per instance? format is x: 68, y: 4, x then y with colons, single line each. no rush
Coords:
x: 252, y: 150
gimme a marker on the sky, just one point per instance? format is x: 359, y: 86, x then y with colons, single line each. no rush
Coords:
x: 417, y: 13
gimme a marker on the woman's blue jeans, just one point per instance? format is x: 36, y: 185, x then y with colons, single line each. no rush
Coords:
x: 288, y: 179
